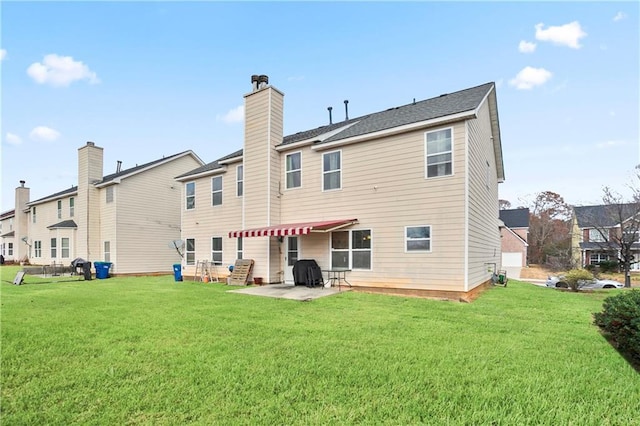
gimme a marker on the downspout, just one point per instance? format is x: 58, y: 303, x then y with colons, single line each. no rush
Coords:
x: 466, y: 206
x: 269, y: 187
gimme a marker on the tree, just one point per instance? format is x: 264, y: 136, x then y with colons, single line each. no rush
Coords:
x: 618, y: 226
x: 549, y: 228
x: 504, y: 204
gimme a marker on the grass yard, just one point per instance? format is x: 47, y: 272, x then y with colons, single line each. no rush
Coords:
x: 147, y: 350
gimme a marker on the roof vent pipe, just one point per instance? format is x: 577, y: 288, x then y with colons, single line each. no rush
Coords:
x: 346, y: 109
x: 22, y: 182
x: 330, y: 120
x: 263, y: 80
x: 119, y: 166
x: 254, y: 82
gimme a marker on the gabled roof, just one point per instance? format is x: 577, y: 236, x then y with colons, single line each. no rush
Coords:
x: 603, y: 215
x: 70, y: 191
x: 455, y: 105
x: 64, y: 224
x: 9, y: 234
x: 515, y: 218
x: 8, y: 214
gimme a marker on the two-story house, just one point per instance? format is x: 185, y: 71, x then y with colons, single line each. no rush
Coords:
x: 597, y: 231
x: 406, y: 199
x: 127, y: 218
x: 514, y: 234
x: 7, y: 235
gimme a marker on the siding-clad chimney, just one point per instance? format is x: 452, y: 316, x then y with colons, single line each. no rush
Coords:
x: 87, y: 217
x: 21, y: 222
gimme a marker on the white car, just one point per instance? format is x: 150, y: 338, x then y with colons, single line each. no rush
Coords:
x: 594, y: 284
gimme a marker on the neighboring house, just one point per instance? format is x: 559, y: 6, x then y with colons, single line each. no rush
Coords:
x: 406, y: 199
x: 593, y: 228
x: 128, y: 218
x: 514, y: 235
x: 7, y: 235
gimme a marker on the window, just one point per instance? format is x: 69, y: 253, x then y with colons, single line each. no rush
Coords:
x: 109, y: 194
x: 239, y: 181
x: 239, y: 249
x: 65, y: 247
x: 54, y: 248
x: 216, y: 191
x: 331, y: 171
x: 37, y: 249
x: 597, y: 235
x: 190, y: 196
x: 59, y: 209
x: 216, y: 250
x: 107, y: 251
x: 596, y: 258
x: 190, y: 251
x: 72, y: 203
x: 33, y: 214
x: 9, y: 249
x: 293, y: 170
x: 417, y: 238
x: 11, y: 224
x: 439, y: 153
x: 351, y: 249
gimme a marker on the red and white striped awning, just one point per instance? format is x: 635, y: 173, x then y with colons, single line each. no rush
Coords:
x: 293, y: 229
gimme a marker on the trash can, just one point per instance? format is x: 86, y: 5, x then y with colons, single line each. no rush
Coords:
x: 177, y: 272
x: 86, y: 270
x: 102, y: 269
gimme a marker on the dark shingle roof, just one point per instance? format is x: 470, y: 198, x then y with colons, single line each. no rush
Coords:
x: 56, y: 195
x: 515, y: 218
x: 114, y: 176
x: 9, y: 234
x: 429, y: 109
x: 8, y: 214
x: 603, y: 215
x: 214, y: 165
x: 64, y: 224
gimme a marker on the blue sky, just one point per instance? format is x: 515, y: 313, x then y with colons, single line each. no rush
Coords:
x: 149, y: 79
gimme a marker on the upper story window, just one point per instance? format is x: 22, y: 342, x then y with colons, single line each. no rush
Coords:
x: 33, y: 214
x: 11, y: 224
x: 439, y: 149
x: 597, y: 235
x: 190, y: 195
x: 72, y: 204
x: 59, y: 209
x: 417, y: 238
x: 294, y: 170
x: 240, y: 180
x: 332, y: 170
x: 216, y: 191
x: 109, y: 194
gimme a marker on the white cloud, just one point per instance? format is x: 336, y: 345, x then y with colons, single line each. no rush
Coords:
x: 235, y: 115
x: 610, y: 144
x: 530, y: 77
x: 44, y: 134
x: 526, y: 47
x: 565, y: 35
x: 3, y: 54
x: 60, y: 71
x: 13, y: 139
x: 619, y: 16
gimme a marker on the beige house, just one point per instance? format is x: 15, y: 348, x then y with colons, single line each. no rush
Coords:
x: 514, y: 235
x: 127, y: 218
x: 7, y: 235
x: 405, y: 200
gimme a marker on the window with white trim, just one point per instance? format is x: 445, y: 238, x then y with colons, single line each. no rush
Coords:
x: 59, y: 209
x: 64, y: 243
x: 332, y: 170
x: 293, y: 170
x: 190, y: 251
x: 190, y: 195
x: 597, y: 235
x: 417, y: 238
x: 239, y: 248
x: 37, y: 248
x: 240, y: 180
x: 216, y: 190
x: 54, y: 248
x: 72, y: 203
x: 595, y: 258
x: 33, y: 214
x: 107, y: 251
x: 109, y: 194
x: 439, y: 153
x: 351, y: 249
x: 216, y: 250
x: 9, y: 249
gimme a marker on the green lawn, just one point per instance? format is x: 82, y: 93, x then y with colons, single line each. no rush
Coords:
x: 152, y: 351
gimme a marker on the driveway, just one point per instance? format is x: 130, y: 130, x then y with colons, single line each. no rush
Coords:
x: 513, y: 272
x: 288, y: 291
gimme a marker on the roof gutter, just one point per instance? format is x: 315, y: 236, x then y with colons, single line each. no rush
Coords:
x: 213, y: 172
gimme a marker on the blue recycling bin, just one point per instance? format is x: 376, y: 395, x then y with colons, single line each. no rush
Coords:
x: 177, y: 272
x: 102, y: 269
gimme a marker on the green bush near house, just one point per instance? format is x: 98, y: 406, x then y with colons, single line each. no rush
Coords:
x: 574, y: 276
x: 149, y: 350
x: 620, y: 320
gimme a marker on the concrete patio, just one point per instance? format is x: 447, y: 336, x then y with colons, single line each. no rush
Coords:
x: 290, y: 291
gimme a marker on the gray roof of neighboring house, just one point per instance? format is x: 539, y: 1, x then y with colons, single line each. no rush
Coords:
x: 64, y: 224
x: 604, y: 246
x: 515, y: 218
x: 605, y: 215
x: 114, y: 176
x: 429, y: 109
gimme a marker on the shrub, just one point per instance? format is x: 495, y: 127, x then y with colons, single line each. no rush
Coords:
x: 608, y: 266
x: 620, y: 320
x: 574, y: 276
